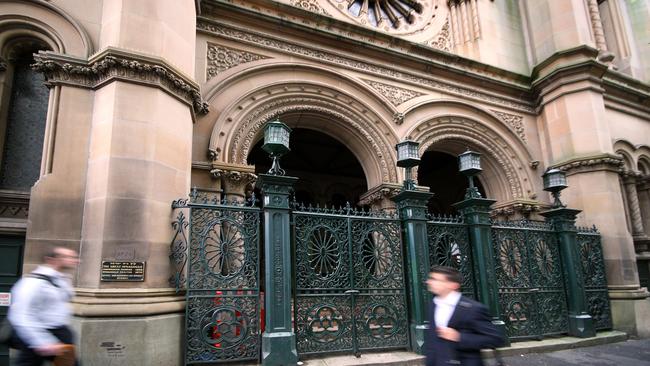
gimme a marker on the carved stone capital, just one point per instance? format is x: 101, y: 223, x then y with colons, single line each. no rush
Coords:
x: 115, y: 64
x: 384, y: 191
x: 3, y: 64
x: 517, y: 208
x: 235, y: 178
x: 590, y: 164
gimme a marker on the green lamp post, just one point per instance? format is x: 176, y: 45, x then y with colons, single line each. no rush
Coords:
x: 555, y: 182
x: 276, y: 143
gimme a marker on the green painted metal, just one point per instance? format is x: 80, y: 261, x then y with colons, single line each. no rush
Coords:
x: 222, y: 286
x: 593, y: 272
x: 11, y: 268
x: 529, y: 275
x: 278, y: 340
x: 349, y: 294
x: 476, y: 213
x: 580, y: 322
x: 412, y: 207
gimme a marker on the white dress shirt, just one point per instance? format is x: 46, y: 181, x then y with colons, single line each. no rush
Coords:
x: 37, y: 305
x: 445, y: 307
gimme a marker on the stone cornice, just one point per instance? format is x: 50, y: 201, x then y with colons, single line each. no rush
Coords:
x: 521, y: 207
x: 590, y: 164
x: 114, y: 64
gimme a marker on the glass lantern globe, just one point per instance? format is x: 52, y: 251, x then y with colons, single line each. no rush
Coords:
x: 407, y: 154
x: 554, y: 180
x: 276, y: 138
x: 469, y: 163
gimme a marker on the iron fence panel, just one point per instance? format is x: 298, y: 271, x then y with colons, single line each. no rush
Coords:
x: 350, y: 292
x: 593, y: 270
x: 529, y: 275
x: 449, y: 246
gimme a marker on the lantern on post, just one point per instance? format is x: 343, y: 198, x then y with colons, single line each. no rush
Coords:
x: 469, y: 163
x: 408, y: 157
x: 276, y: 143
x: 554, y: 182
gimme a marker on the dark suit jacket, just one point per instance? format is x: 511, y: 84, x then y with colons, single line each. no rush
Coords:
x: 472, y: 320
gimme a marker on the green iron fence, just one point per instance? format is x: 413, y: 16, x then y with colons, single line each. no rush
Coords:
x: 593, y: 270
x: 222, y: 284
x: 528, y: 269
x: 349, y: 290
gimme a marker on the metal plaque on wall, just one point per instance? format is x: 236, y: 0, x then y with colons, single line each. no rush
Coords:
x: 113, y: 271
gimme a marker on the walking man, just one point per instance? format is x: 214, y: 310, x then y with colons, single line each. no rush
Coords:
x: 40, y: 310
x: 458, y: 326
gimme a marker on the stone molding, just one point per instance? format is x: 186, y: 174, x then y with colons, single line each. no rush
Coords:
x: 515, y: 123
x: 593, y: 163
x: 394, y: 94
x: 221, y: 58
x: 126, y: 302
x: 310, y: 5
x: 257, y: 40
x: 460, y: 128
x: 243, y: 138
x: 378, y: 193
x: 113, y: 64
x: 14, y: 204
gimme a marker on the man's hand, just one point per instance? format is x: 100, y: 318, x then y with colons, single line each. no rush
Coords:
x: 51, y: 349
x: 449, y: 334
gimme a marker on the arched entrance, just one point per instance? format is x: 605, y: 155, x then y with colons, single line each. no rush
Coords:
x: 330, y: 175
x: 439, y: 172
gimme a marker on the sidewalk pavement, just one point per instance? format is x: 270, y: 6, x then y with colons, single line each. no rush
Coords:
x: 607, y: 348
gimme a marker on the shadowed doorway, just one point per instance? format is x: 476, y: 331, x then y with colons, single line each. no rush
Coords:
x: 439, y: 171
x: 329, y: 174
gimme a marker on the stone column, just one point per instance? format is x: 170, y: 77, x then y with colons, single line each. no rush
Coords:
x: 139, y: 161
x: 599, y: 35
x: 279, y: 339
x: 638, y: 231
x: 412, y: 207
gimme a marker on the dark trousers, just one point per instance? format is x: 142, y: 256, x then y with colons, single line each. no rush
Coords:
x: 27, y: 356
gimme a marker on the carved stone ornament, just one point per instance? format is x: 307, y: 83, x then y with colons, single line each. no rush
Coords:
x: 383, y: 191
x: 240, y: 35
x: 14, y: 205
x: 442, y: 41
x: 221, y: 58
x: 514, y: 122
x: 310, y: 5
x: 521, y: 208
x: 113, y: 64
x: 398, y: 118
x: 3, y: 64
x: 394, y: 94
x: 592, y: 163
x: 234, y: 177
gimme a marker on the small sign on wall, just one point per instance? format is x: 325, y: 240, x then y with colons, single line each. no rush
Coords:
x: 114, y: 271
x: 5, y: 298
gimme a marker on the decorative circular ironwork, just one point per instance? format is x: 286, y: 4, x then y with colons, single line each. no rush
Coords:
x: 381, y: 322
x: 323, y: 251
x: 587, y: 260
x: 510, y: 257
x: 544, y: 258
x: 224, y: 328
x: 225, y: 251
x: 517, y: 315
x: 376, y: 254
x: 447, y: 251
x: 395, y: 13
x: 327, y: 325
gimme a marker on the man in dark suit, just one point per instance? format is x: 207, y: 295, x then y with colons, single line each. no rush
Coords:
x: 458, y: 326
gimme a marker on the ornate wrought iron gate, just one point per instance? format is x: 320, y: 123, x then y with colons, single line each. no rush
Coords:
x: 529, y: 274
x: 222, y: 316
x: 349, y: 291
x: 593, y: 273
x: 449, y: 246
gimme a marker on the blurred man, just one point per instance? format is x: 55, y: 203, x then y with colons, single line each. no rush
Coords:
x: 40, y: 310
x: 458, y: 326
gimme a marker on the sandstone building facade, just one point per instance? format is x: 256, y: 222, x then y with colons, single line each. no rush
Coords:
x: 111, y: 110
